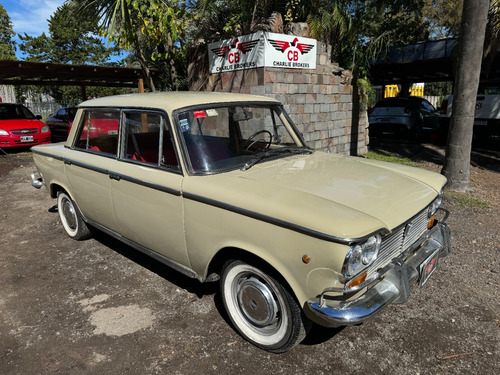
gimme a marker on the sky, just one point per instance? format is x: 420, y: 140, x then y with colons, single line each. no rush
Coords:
x: 30, y: 16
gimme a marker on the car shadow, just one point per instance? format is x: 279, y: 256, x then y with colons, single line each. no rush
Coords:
x: 319, y: 334
x: 175, y: 277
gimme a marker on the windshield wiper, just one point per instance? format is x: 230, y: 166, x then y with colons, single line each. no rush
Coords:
x: 270, y: 154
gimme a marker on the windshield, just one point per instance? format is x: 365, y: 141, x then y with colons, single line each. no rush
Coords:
x: 15, y: 112
x: 229, y: 137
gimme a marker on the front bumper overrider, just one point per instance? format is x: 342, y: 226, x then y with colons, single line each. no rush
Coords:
x: 393, y: 287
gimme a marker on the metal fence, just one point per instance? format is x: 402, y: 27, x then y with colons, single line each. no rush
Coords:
x: 434, y: 100
x: 45, y: 109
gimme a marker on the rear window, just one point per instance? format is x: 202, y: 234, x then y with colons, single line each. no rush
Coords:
x: 392, y: 103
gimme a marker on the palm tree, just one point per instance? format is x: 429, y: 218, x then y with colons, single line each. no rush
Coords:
x: 119, y: 24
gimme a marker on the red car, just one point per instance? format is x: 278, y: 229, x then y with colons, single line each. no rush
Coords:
x: 19, y: 127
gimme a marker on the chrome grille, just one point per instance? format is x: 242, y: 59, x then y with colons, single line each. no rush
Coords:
x: 399, y: 240
x: 24, y: 131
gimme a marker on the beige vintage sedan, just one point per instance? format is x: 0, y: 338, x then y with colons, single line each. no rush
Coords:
x: 222, y: 187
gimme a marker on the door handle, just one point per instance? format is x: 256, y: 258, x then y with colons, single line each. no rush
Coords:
x: 114, y: 176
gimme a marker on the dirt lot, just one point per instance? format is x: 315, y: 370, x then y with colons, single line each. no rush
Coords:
x: 99, y: 307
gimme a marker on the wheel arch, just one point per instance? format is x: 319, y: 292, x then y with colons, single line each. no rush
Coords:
x: 223, y: 255
x: 56, y: 187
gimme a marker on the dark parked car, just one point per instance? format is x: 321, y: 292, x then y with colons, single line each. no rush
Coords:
x: 406, y: 116
x: 60, y: 122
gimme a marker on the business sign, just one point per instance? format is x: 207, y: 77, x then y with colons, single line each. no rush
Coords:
x: 262, y: 49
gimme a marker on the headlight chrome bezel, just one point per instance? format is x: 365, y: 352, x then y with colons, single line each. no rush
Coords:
x: 436, y: 204
x: 361, y: 256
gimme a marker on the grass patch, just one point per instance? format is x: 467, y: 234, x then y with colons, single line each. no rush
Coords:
x: 390, y: 158
x: 465, y: 200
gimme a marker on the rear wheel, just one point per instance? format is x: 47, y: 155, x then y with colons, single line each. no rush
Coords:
x: 261, y: 309
x: 71, y: 218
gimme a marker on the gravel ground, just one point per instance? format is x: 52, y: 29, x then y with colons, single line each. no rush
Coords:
x: 99, y: 307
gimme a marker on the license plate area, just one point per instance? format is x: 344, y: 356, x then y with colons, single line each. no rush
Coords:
x: 428, y: 267
x: 27, y: 138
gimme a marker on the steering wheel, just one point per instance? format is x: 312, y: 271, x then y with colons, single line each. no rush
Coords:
x: 250, y: 142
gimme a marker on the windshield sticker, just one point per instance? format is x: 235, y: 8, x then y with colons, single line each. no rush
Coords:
x: 199, y: 114
x: 212, y: 112
x: 184, y: 125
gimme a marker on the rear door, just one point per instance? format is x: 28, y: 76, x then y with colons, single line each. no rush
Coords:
x: 87, y: 167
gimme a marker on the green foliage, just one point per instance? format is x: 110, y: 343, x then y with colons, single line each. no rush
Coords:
x: 440, y: 89
x: 465, y: 200
x: 7, y: 45
x: 390, y: 158
x: 443, y: 17
x: 366, y: 94
x: 71, y: 41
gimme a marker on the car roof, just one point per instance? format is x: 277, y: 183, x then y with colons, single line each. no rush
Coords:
x: 399, y: 101
x: 11, y: 105
x: 170, y: 101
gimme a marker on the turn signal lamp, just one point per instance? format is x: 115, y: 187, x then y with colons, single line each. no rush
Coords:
x: 431, y: 221
x: 357, y: 280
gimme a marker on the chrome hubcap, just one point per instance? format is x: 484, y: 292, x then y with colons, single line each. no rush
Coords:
x: 69, y: 214
x: 257, y: 302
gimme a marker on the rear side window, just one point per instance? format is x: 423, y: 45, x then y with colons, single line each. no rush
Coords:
x: 99, y: 131
x: 147, y: 139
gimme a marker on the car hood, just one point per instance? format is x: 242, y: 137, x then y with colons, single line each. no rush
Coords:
x: 20, y: 124
x: 346, y: 197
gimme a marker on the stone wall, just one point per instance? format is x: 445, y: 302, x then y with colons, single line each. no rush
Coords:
x: 319, y: 101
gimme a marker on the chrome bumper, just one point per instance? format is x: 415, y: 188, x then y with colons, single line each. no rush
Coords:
x: 36, y: 182
x: 394, y: 287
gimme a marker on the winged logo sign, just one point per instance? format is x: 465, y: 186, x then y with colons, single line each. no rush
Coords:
x: 262, y: 49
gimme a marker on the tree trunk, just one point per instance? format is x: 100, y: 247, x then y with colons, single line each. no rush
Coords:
x: 457, y: 161
x: 144, y: 65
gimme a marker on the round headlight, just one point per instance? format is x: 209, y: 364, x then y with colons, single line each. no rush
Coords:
x: 435, y: 205
x: 354, y: 262
x: 370, y: 250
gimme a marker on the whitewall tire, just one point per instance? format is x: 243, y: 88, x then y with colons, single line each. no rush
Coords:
x: 260, y: 308
x: 71, y: 218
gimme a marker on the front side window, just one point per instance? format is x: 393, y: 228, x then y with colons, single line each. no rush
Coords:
x: 99, y: 131
x: 220, y: 138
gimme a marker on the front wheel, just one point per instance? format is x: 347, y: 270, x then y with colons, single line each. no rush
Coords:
x: 260, y: 308
x: 71, y: 218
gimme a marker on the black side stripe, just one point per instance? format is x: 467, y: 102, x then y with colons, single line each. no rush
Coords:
x: 146, y: 184
x: 221, y: 205
x: 270, y: 220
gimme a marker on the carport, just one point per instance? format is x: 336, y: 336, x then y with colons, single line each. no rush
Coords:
x: 431, y: 61
x: 18, y: 73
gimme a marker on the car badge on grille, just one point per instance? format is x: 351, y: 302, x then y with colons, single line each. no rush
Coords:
x: 407, y: 230
x: 25, y: 131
